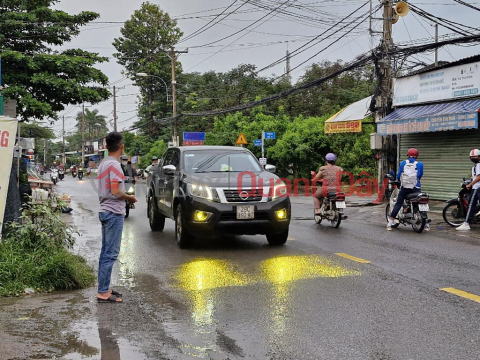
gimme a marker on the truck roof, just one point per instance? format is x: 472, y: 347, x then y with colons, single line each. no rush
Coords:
x: 207, y: 147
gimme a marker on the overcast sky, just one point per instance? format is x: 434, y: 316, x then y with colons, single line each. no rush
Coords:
x: 261, y: 44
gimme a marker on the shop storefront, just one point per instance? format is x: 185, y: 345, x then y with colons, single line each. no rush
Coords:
x: 444, y: 132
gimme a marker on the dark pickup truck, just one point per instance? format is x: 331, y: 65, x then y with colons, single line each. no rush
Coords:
x: 217, y: 189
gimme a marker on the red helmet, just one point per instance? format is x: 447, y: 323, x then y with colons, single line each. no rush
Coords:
x: 412, y: 153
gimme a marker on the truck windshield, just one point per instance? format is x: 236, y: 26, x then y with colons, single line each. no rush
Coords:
x: 211, y: 161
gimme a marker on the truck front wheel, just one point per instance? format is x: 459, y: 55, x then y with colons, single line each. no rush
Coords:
x: 155, y: 218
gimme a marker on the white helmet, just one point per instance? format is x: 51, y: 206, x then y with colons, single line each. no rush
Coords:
x: 475, y: 152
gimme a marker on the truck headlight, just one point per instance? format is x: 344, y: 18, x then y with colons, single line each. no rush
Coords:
x: 279, y: 190
x: 203, y: 191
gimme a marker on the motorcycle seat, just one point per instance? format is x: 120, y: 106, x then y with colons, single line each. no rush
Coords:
x: 412, y: 195
x: 331, y: 195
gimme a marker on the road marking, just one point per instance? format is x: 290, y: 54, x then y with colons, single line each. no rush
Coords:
x: 462, y: 293
x: 346, y: 256
x: 290, y: 238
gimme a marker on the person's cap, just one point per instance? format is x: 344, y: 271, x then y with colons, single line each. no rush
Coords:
x: 124, y: 157
x: 330, y: 157
x: 154, y: 158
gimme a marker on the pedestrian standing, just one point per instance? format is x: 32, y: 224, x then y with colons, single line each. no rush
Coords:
x: 111, y: 192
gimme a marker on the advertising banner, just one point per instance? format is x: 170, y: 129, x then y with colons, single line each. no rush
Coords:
x: 343, y: 127
x: 429, y: 124
x: 457, y: 82
x: 8, y: 131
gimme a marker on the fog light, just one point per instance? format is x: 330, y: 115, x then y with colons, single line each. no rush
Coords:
x: 202, y: 216
x: 281, y: 214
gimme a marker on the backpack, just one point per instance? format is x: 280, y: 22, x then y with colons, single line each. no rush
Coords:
x: 409, y: 178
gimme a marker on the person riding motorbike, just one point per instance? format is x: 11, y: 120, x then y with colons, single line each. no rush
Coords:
x: 409, y: 174
x: 474, y: 186
x: 328, y: 173
x: 154, y: 163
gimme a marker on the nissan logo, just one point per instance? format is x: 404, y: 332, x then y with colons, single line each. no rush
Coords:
x: 244, y: 195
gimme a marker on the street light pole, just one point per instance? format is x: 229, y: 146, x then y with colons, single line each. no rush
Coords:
x: 114, y: 108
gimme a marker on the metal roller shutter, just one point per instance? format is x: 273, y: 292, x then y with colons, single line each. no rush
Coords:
x: 445, y: 157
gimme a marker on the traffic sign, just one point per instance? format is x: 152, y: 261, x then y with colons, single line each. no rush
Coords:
x: 257, y: 142
x: 263, y: 161
x: 241, y: 140
x: 270, y: 135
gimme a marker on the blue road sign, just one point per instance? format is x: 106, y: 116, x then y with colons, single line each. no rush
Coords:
x: 193, y: 136
x: 270, y: 135
x: 257, y: 142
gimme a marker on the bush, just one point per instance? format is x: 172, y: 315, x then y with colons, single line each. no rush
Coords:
x: 35, y: 254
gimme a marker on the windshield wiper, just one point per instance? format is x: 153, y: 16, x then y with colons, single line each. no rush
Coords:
x: 217, y: 171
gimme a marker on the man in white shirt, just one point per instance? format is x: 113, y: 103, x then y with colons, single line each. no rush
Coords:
x: 148, y: 170
x: 474, y: 186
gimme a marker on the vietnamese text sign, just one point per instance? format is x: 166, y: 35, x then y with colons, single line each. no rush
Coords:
x: 451, y: 83
x: 8, y: 130
x: 192, y: 142
x: 193, y: 136
x: 429, y: 124
x: 343, y: 127
x: 257, y: 142
x: 270, y: 135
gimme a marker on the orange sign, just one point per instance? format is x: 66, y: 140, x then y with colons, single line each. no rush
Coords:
x: 343, y: 127
x: 241, y: 140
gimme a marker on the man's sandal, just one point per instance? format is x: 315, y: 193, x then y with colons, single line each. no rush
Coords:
x: 111, y: 299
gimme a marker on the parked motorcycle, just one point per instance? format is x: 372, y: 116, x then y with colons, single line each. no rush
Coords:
x: 61, y: 174
x: 80, y: 173
x: 455, y: 212
x: 414, y: 209
x: 54, y: 176
x: 332, y: 209
x: 130, y: 190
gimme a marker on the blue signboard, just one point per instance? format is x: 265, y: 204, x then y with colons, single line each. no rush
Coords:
x: 270, y: 135
x: 432, y: 123
x: 257, y: 142
x: 193, y: 136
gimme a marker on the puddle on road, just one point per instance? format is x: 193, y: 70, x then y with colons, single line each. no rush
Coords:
x: 97, y: 342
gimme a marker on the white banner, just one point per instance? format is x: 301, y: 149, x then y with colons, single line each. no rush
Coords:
x: 8, y: 131
x: 457, y: 82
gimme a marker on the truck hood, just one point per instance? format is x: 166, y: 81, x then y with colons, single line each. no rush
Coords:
x: 232, y: 180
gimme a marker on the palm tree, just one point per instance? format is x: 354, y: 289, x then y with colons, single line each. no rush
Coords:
x: 95, y: 125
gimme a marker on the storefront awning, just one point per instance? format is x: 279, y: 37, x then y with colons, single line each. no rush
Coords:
x: 430, y: 118
x: 349, y: 119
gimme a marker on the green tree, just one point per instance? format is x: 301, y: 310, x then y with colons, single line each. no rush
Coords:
x: 41, y: 79
x: 36, y: 131
x: 142, y: 48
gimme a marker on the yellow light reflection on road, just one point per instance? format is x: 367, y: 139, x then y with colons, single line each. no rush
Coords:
x: 209, y: 274
x: 282, y: 272
x: 200, y: 278
x: 285, y: 269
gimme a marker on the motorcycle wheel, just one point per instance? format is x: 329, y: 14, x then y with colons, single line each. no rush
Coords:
x: 387, y: 216
x: 418, y: 223
x: 318, y: 218
x: 451, y: 215
x: 337, y: 220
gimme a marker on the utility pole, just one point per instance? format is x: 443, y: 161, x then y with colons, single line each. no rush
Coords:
x: 63, y: 141
x: 436, y: 40
x: 114, y: 108
x: 384, y: 99
x: 44, y: 152
x: 83, y: 135
x: 173, y: 58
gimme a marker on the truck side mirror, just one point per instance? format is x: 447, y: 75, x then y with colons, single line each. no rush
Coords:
x: 169, y: 170
x: 270, y: 168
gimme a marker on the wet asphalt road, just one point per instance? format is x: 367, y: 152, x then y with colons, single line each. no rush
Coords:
x: 238, y: 298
